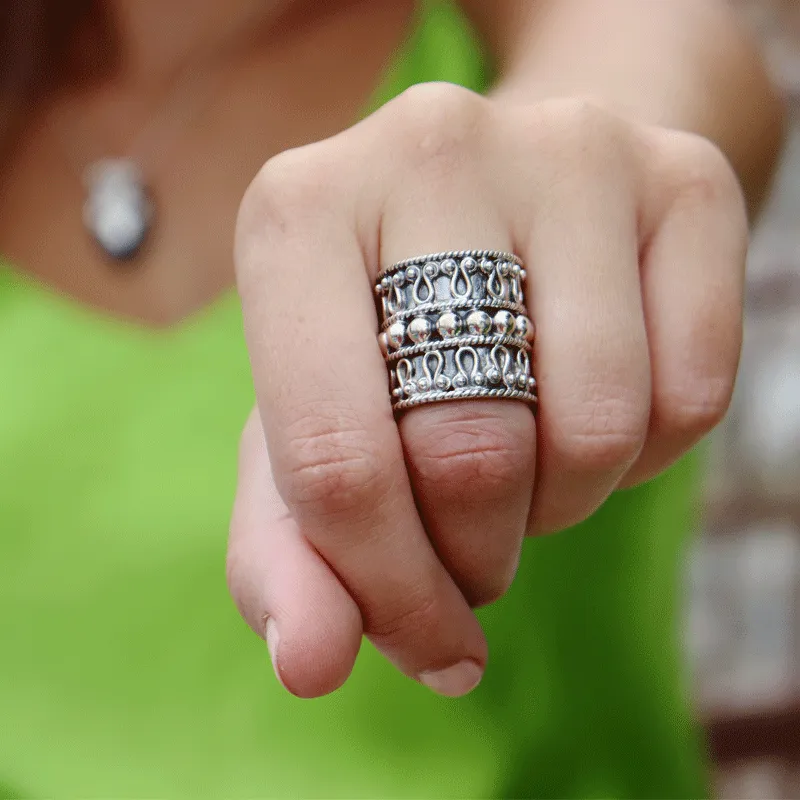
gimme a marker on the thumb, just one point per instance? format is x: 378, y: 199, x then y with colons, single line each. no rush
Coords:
x: 282, y: 587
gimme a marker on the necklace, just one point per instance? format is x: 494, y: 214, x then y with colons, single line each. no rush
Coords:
x: 119, y: 207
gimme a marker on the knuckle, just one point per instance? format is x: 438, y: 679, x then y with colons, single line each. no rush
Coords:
x: 489, y: 589
x: 604, y: 433
x: 295, y: 177
x: 287, y: 192
x: 695, y: 411
x: 707, y: 178
x: 471, y: 450
x: 334, y: 466
x: 418, y: 618
x: 437, y: 120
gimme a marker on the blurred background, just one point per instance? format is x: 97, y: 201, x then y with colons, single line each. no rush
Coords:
x: 743, y: 621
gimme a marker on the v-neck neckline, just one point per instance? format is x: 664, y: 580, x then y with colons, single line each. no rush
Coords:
x: 409, y: 64
x: 21, y: 283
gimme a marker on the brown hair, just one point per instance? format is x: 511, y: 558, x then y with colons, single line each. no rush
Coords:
x: 42, y: 44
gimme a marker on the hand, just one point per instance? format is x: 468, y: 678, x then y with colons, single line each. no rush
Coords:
x: 349, y: 521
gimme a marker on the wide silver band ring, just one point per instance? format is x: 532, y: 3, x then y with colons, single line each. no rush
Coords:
x: 454, y: 326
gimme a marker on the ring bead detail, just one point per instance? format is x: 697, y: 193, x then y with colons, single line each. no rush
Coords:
x: 454, y: 325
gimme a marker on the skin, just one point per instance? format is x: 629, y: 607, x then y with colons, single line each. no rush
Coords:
x: 188, y: 261
x: 618, y: 155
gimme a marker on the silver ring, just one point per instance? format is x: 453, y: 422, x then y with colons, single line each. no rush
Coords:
x: 454, y: 326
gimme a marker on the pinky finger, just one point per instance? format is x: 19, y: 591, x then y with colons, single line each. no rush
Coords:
x: 282, y: 587
x: 692, y: 282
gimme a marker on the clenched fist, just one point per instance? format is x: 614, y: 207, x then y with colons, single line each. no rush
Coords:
x: 352, y: 521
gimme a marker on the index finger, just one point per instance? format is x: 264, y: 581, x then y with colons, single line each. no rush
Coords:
x: 322, y: 393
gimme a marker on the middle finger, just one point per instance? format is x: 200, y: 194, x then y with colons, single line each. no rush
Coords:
x: 471, y: 461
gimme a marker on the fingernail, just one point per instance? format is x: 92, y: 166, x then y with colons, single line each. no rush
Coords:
x: 454, y: 681
x: 273, y: 641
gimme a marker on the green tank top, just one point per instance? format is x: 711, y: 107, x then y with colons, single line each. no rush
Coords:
x: 125, y: 670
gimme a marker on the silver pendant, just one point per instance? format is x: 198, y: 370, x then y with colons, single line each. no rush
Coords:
x: 118, y: 210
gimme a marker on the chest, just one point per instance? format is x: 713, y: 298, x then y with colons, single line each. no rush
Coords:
x: 308, y: 81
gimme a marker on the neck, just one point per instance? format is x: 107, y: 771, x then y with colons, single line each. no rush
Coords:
x: 159, y: 38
